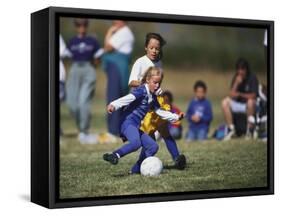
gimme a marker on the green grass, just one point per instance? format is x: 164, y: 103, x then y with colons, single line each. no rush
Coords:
x: 212, y: 165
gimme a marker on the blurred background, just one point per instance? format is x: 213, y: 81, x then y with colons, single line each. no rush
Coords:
x: 192, y: 52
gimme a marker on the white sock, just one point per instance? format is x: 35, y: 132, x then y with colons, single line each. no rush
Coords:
x: 231, y: 127
x: 117, y: 155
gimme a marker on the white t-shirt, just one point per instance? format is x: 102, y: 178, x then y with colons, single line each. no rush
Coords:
x: 140, y: 67
x: 62, y: 51
x: 122, y: 40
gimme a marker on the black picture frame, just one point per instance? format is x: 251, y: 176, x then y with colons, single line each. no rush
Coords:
x: 45, y: 112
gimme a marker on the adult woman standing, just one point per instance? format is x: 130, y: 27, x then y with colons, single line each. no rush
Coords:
x: 118, y: 46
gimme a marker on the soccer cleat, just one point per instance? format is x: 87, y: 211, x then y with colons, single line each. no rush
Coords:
x: 180, y: 162
x: 111, y: 158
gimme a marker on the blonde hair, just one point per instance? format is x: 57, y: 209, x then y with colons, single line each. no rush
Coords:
x: 152, y: 71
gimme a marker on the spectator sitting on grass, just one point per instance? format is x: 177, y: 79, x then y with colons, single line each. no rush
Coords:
x: 199, y: 113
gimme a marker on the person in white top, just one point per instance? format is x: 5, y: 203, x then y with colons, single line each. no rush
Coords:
x: 152, y: 123
x: 140, y: 67
x: 118, y: 46
x: 64, y: 53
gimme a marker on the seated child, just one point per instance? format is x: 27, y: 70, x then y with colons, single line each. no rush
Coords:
x: 175, y: 128
x: 199, y: 113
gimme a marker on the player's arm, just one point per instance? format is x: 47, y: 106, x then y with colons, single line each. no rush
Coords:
x: 169, y: 116
x: 234, y: 92
x: 121, y: 102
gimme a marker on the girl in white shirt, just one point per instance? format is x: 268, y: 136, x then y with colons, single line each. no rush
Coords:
x: 152, y: 122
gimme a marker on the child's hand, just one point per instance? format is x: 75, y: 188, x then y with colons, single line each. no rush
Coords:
x: 110, y: 108
x: 238, y: 80
x: 181, y: 115
x: 158, y: 92
x: 195, y: 118
x: 113, y: 29
x: 234, y: 94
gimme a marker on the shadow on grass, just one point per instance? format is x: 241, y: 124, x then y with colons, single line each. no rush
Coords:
x: 122, y: 175
x: 173, y: 167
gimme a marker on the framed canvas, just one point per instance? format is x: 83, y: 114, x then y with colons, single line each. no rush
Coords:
x: 137, y: 107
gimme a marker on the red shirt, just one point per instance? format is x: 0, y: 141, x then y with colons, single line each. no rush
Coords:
x: 176, y: 110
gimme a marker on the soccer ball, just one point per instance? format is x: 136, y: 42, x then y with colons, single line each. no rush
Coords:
x: 151, y: 166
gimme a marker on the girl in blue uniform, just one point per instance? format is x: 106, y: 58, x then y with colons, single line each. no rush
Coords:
x: 134, y: 107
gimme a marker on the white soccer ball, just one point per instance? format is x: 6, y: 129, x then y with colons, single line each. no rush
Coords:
x: 151, y: 166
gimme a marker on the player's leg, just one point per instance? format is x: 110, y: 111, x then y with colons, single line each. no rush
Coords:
x: 149, y: 148
x: 136, y: 167
x: 132, y: 133
x: 176, y: 132
x: 169, y: 140
x: 180, y: 160
x: 149, y: 145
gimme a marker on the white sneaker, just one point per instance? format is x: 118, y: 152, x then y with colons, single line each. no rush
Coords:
x: 84, y: 138
x: 229, y: 135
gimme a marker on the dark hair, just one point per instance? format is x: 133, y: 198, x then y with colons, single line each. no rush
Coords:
x: 199, y: 84
x: 158, y: 37
x: 169, y: 95
x: 242, y: 63
x: 81, y: 21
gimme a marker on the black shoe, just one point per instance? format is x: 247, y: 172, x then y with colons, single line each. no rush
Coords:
x: 180, y: 162
x: 111, y: 158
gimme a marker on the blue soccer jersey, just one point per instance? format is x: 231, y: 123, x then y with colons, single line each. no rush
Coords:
x: 136, y: 105
x: 144, y: 101
x: 84, y: 48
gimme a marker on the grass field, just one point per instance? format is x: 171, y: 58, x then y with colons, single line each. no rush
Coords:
x: 211, y: 165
